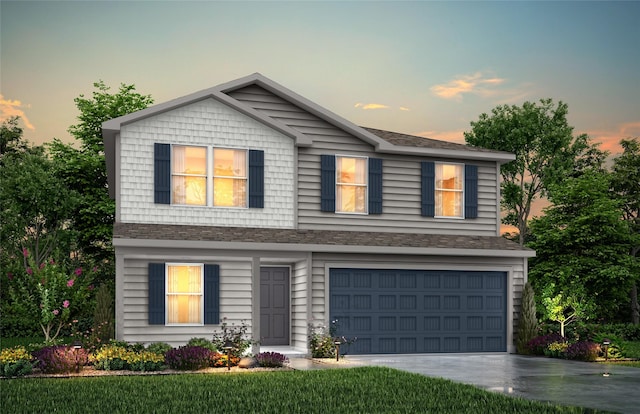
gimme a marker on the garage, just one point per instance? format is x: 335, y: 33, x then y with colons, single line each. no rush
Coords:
x: 419, y: 311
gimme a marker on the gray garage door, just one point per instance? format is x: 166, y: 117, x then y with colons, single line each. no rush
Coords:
x: 410, y: 311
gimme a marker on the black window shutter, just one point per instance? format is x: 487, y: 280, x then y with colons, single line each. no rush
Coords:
x: 211, y: 294
x: 428, y: 188
x: 256, y: 179
x: 328, y: 183
x: 156, y: 294
x: 162, y: 173
x: 470, y: 191
x: 375, y: 186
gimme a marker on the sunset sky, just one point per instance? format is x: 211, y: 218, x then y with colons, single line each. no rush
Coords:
x: 423, y: 68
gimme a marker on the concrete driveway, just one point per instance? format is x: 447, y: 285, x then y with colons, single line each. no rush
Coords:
x: 600, y: 386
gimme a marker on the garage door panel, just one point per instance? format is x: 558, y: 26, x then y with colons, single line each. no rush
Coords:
x: 407, y: 311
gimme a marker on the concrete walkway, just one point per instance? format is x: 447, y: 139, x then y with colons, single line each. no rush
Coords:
x: 601, y: 386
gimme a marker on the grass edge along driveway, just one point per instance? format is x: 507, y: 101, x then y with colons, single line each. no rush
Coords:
x: 353, y: 390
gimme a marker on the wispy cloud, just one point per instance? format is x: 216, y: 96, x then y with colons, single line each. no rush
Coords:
x: 9, y: 108
x: 368, y: 106
x: 477, y: 84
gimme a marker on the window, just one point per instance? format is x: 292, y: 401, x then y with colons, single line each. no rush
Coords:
x: 189, y: 175
x: 229, y: 178
x: 351, y: 185
x: 184, y: 294
x: 449, y: 190
x: 184, y: 175
x: 442, y: 190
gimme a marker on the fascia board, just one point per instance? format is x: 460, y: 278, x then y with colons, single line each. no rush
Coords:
x: 318, y: 248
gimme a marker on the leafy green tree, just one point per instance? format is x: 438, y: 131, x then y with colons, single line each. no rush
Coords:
x: 83, y: 169
x: 626, y: 186
x: 11, y: 139
x: 546, y: 152
x: 563, y: 307
x: 581, y: 245
x: 35, y: 206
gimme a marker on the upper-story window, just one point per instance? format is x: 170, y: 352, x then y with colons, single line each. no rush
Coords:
x: 351, y: 185
x: 449, y: 190
x: 229, y: 177
x: 195, y: 182
x: 189, y: 175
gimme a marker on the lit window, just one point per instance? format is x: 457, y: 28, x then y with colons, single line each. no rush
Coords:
x: 449, y: 190
x: 229, y: 178
x: 184, y: 294
x: 351, y: 185
x: 189, y: 175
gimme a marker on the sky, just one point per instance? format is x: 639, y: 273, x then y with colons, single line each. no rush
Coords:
x: 419, y: 67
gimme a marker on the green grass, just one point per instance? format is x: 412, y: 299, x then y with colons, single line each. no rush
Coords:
x: 355, y: 390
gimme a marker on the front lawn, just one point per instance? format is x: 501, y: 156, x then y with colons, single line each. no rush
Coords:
x: 354, y: 390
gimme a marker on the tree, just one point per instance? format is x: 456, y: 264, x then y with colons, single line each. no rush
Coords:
x: 36, y: 207
x: 582, y: 243
x: 546, y: 152
x: 84, y: 169
x: 563, y: 307
x: 528, y: 321
x: 626, y: 186
x: 11, y: 136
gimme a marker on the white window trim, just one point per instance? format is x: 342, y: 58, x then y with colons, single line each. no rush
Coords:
x: 462, y: 191
x: 167, y: 294
x: 366, y: 186
x: 209, y: 176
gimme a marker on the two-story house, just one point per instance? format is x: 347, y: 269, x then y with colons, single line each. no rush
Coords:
x: 250, y: 202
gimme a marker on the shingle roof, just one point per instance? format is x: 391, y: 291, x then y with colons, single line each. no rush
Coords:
x: 397, y: 138
x: 315, y: 237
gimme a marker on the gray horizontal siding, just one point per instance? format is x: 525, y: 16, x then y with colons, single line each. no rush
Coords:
x: 235, y: 300
x: 401, y: 180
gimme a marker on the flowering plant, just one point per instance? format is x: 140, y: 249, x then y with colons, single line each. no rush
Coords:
x: 271, y: 359
x: 51, y: 292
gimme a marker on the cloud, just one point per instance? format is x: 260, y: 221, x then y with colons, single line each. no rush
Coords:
x: 477, y: 84
x: 610, y: 139
x: 377, y: 106
x: 371, y: 106
x: 9, y: 108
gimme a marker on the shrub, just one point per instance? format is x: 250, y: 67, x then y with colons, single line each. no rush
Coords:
x: 220, y: 360
x: 528, y: 322
x: 15, y: 362
x: 539, y: 344
x: 203, y: 342
x: 237, y: 335
x: 60, y: 359
x: 583, y: 351
x: 160, y: 348
x: 189, y: 358
x: 321, y: 341
x: 112, y: 357
x: 103, y: 315
x: 145, y: 361
x: 557, y: 349
x: 271, y: 359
